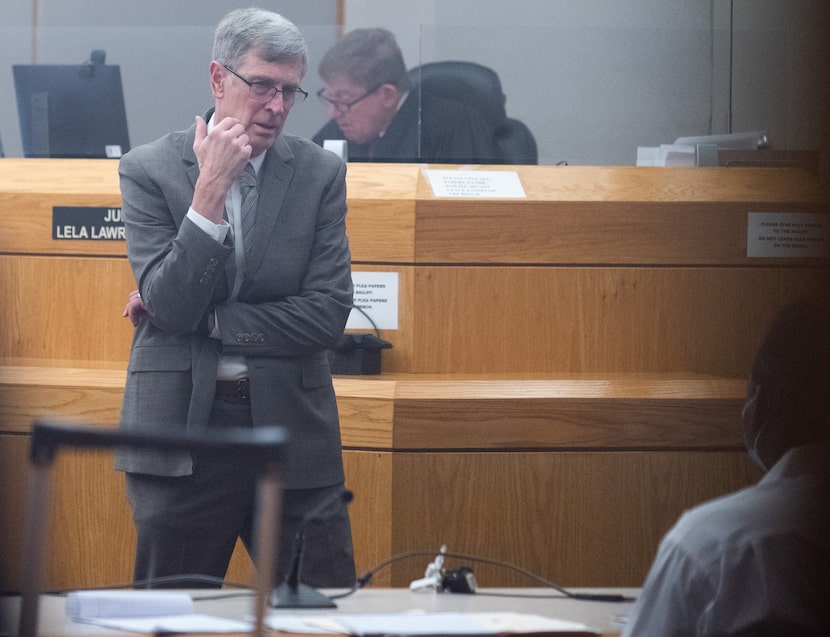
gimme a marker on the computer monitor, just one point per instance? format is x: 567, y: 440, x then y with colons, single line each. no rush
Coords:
x: 71, y: 110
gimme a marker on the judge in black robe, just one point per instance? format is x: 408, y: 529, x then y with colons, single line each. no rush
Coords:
x: 375, y: 108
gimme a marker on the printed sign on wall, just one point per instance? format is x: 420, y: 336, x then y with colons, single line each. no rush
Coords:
x: 787, y: 234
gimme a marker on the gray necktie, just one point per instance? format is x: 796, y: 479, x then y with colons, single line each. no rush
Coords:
x: 250, y: 196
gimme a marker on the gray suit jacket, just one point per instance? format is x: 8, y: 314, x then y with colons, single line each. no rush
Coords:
x: 292, y: 307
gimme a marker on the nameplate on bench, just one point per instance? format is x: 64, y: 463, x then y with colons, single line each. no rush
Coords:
x: 87, y: 223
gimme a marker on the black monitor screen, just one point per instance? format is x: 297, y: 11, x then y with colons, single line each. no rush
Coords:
x: 71, y: 110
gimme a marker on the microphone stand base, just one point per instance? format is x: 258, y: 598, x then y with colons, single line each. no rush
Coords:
x: 299, y: 596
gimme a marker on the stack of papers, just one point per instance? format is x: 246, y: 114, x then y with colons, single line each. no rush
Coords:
x: 146, y: 612
x: 85, y: 605
x: 666, y: 155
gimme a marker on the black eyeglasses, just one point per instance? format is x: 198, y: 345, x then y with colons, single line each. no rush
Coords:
x: 344, y: 107
x: 263, y: 92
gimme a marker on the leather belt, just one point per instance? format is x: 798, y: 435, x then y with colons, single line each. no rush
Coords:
x: 236, y: 389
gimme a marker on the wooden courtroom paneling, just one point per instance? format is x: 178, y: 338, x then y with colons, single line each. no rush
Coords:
x: 526, y: 319
x: 589, y: 233
x: 637, y: 184
x: 565, y: 516
x: 561, y: 515
x: 381, y: 219
x: 574, y: 518
x: 416, y: 411
x: 378, y: 420
x: 382, y: 231
x: 33, y: 186
x: 369, y: 477
x: 29, y: 393
x: 572, y: 214
x: 566, y: 377
x: 91, y: 541
x: 571, y: 414
x: 611, y: 215
x: 597, y: 319
x: 64, y: 307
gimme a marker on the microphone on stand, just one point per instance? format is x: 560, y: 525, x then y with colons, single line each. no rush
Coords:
x: 292, y: 593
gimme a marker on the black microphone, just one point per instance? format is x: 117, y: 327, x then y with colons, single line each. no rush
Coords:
x: 292, y: 593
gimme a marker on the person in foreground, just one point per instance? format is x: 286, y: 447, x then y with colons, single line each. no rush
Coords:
x: 756, y: 562
x: 367, y: 89
x: 234, y: 314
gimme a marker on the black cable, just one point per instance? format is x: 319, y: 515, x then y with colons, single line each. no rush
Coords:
x: 366, y: 578
x: 155, y: 581
x: 369, y: 318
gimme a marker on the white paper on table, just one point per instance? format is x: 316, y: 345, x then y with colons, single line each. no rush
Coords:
x: 302, y: 624
x: 190, y: 623
x: 422, y: 623
x: 146, y: 611
x: 95, y: 604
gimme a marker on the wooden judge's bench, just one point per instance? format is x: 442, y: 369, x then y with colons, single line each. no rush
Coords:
x: 567, y: 373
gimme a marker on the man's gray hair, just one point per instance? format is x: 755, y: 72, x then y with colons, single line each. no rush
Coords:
x: 269, y: 35
x: 367, y: 57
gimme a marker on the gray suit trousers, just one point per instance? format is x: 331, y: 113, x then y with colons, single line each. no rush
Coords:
x: 189, y: 525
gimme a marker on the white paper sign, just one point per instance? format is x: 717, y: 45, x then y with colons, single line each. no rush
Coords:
x: 376, y: 294
x: 490, y: 184
x: 787, y: 234
x: 338, y: 146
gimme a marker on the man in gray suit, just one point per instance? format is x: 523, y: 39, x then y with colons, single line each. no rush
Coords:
x: 232, y: 326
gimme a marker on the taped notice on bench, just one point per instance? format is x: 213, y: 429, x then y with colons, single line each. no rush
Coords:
x: 488, y: 184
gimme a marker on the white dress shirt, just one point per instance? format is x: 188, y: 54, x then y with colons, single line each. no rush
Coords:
x: 230, y: 367
x: 748, y: 561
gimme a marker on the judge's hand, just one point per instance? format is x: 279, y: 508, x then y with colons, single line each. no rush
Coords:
x: 135, y: 309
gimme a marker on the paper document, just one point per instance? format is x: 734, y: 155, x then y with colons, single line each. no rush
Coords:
x: 86, y: 605
x: 191, y: 623
x: 423, y: 623
x: 146, y: 612
x: 667, y: 155
x: 492, y: 184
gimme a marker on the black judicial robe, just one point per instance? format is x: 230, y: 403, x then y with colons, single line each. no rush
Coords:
x: 447, y: 132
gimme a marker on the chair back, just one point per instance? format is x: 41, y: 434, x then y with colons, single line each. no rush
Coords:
x: 479, y: 87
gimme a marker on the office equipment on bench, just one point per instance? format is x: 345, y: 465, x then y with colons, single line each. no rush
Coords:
x: 71, y: 110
